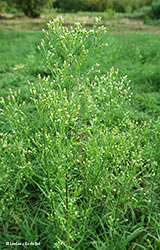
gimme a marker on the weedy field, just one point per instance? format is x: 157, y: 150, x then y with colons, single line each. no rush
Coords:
x: 80, y: 138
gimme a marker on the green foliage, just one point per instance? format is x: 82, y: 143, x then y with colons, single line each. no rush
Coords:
x: 110, y: 13
x: 151, y: 12
x: 98, y: 5
x: 32, y: 8
x: 88, y: 5
x: 68, y: 5
x: 102, y: 5
x: 129, y: 5
x: 155, y: 10
x: 2, y: 6
x: 77, y: 171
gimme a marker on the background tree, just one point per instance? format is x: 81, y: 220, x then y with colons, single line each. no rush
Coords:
x: 155, y: 10
x: 2, y: 6
x: 33, y: 8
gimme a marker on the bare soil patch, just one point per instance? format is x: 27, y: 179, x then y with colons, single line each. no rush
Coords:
x: 123, y: 25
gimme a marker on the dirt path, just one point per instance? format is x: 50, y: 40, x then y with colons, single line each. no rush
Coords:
x: 123, y: 25
x: 129, y: 28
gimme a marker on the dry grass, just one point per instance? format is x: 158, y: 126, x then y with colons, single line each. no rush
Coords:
x: 114, y: 24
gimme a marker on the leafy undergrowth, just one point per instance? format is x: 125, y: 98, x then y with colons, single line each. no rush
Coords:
x: 78, y: 171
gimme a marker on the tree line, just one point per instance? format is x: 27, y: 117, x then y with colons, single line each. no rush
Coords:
x: 33, y: 8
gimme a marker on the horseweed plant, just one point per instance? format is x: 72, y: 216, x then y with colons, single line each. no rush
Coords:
x: 75, y: 143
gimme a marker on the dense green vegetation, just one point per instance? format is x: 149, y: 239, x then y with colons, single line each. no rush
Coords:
x: 102, y: 5
x: 33, y: 8
x: 154, y: 12
x: 80, y: 145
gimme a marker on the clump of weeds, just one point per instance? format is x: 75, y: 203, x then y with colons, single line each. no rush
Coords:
x: 76, y: 171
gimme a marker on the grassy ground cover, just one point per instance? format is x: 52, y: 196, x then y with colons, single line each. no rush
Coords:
x: 79, y: 152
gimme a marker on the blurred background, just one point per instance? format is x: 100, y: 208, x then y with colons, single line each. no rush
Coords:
x: 34, y: 8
